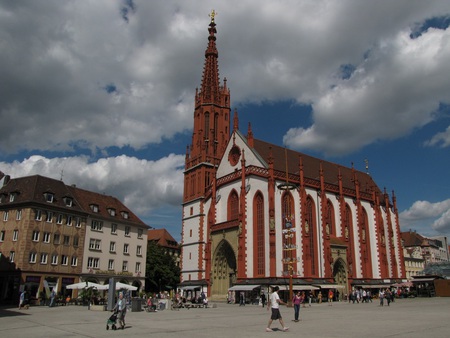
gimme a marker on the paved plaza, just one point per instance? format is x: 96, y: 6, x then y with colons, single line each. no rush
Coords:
x: 419, y: 317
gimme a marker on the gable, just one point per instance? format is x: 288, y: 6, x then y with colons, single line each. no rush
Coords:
x: 238, y: 142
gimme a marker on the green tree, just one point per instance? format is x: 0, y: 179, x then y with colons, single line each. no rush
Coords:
x: 162, y: 274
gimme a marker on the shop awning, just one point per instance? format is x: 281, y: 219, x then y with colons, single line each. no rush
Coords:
x: 423, y: 280
x: 243, y: 287
x: 304, y: 287
x: 373, y: 286
x: 192, y: 287
x: 330, y: 286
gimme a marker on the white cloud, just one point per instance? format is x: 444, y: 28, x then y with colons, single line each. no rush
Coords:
x: 142, y: 185
x: 442, y: 139
x: 396, y: 89
x: 428, y: 217
x: 443, y: 222
x: 421, y: 210
x: 57, y: 59
x: 78, y: 75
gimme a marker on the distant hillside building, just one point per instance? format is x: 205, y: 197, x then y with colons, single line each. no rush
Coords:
x: 58, y: 235
x: 255, y: 214
x: 165, y: 240
x: 421, y: 251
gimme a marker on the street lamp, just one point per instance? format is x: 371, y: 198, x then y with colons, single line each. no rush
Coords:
x: 288, y: 231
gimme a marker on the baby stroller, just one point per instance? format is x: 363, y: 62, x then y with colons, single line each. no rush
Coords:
x: 112, y: 321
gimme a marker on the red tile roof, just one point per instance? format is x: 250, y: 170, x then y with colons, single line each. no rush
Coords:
x: 311, y: 167
x: 411, y: 238
x: 162, y: 237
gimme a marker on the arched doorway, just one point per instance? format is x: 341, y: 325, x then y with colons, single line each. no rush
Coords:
x: 340, y: 277
x: 223, y: 272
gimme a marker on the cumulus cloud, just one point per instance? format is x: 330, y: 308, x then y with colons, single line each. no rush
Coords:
x: 398, y: 87
x: 102, y: 75
x: 441, y: 139
x: 144, y: 186
x: 424, y: 214
x: 122, y: 73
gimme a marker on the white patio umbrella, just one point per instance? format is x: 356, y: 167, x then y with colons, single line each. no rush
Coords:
x: 120, y: 286
x: 83, y: 285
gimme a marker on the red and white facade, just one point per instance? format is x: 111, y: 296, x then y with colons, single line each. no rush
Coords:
x: 257, y: 213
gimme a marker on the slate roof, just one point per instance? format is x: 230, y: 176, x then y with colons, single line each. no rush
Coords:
x: 31, y: 190
x: 311, y: 167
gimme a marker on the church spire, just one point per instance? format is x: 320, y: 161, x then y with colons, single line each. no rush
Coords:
x: 211, y: 132
x: 210, y: 81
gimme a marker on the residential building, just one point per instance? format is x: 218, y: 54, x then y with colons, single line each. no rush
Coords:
x: 115, y: 240
x: 421, y: 251
x: 414, y: 262
x: 58, y: 235
x: 165, y: 240
x: 442, y: 243
x: 260, y: 214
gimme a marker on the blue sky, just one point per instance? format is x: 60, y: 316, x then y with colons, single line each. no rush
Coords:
x: 101, y: 93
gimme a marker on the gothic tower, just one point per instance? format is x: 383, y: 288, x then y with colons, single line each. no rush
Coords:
x: 211, y: 124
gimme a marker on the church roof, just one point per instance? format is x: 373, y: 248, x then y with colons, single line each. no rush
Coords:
x: 311, y: 167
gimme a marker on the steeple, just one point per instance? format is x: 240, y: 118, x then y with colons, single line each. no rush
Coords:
x: 211, y: 131
x: 210, y: 81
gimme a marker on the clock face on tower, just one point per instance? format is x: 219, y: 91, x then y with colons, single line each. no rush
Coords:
x: 234, y: 155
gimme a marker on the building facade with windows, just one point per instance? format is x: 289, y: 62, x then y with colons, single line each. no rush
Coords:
x: 59, y: 235
x: 116, y: 240
x: 421, y: 251
x: 258, y: 214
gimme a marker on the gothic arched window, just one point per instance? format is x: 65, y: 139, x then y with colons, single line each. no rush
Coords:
x: 233, y: 206
x: 258, y: 229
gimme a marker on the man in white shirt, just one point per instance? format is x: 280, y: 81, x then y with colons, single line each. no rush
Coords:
x: 274, y: 303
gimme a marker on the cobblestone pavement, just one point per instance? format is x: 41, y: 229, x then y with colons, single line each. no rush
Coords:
x: 419, y: 317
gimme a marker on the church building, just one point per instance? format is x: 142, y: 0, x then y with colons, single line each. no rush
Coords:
x: 259, y: 214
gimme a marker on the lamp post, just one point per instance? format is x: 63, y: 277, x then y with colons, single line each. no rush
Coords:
x: 288, y: 231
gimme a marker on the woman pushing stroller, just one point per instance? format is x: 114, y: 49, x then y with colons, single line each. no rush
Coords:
x: 121, y: 309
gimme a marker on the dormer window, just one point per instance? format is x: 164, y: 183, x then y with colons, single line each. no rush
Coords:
x: 125, y: 214
x: 12, y: 197
x: 68, y: 201
x: 94, y: 207
x: 49, y: 197
x: 112, y: 211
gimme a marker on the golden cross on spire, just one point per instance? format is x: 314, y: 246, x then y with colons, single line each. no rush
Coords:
x: 212, y: 15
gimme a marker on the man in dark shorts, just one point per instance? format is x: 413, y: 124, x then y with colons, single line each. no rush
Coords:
x: 274, y: 303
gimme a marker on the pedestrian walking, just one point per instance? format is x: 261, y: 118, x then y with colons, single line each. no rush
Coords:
x: 388, y: 296
x: 263, y: 299
x: 121, y: 309
x: 242, y: 299
x: 330, y: 298
x: 274, y: 303
x: 381, y: 296
x: 52, y: 298
x: 22, y: 300
x: 310, y: 297
x: 297, y: 301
